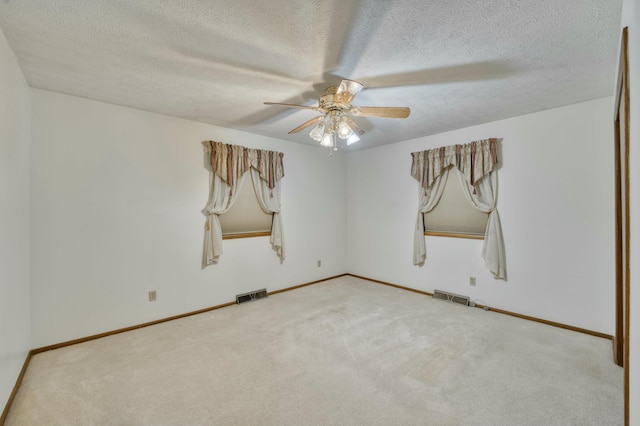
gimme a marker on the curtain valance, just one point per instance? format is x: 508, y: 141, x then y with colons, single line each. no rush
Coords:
x: 475, y: 160
x: 232, y: 161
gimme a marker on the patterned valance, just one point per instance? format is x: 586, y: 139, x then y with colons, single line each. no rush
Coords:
x: 474, y: 160
x: 232, y: 161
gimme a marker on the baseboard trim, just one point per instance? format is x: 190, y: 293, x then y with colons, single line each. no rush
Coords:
x: 392, y: 285
x: 305, y: 284
x: 14, y: 392
x: 501, y: 311
x: 125, y: 329
x: 551, y: 323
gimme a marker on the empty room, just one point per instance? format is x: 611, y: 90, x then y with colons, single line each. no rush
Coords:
x: 319, y: 212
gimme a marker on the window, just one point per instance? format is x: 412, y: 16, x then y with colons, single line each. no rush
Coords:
x: 230, y: 167
x: 454, y: 216
x: 477, y: 162
x: 245, y: 218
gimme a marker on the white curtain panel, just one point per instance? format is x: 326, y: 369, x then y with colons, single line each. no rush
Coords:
x: 221, y: 198
x: 269, y: 200
x: 483, y: 196
x: 427, y: 200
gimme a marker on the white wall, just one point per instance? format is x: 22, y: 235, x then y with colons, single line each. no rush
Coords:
x: 555, y: 202
x: 15, y: 339
x: 116, y: 198
x: 631, y: 18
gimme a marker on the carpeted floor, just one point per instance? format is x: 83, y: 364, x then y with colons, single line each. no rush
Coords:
x: 341, y: 352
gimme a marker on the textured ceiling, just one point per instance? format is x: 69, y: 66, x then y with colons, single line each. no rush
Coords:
x: 455, y: 63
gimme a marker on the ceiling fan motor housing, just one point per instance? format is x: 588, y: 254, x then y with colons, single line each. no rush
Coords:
x: 328, y: 101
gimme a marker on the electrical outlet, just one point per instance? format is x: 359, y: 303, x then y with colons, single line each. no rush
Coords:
x: 152, y: 296
x: 472, y: 280
x: 319, y: 263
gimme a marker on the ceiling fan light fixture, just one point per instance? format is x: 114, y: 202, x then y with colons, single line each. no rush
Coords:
x: 336, y: 112
x: 344, y: 130
x: 328, y: 139
x: 317, y: 132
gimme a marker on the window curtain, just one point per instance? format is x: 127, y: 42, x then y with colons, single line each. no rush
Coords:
x: 221, y: 198
x: 427, y: 200
x: 477, y: 163
x: 229, y: 163
x: 269, y: 200
x: 483, y: 197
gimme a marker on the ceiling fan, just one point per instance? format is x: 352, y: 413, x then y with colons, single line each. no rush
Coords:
x: 337, y: 111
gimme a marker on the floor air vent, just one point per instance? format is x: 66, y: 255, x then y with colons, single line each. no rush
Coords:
x: 252, y: 295
x: 454, y: 298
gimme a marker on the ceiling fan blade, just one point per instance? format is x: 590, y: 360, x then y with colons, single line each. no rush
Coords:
x: 347, y: 90
x: 354, y: 126
x: 388, y: 112
x: 307, y: 124
x: 294, y: 106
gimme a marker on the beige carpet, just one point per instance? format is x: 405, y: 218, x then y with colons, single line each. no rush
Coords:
x: 342, y: 352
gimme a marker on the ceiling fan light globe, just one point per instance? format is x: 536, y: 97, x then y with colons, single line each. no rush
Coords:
x: 327, y: 139
x: 344, y: 130
x: 317, y: 132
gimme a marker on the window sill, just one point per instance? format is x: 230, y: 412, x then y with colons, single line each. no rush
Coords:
x: 454, y: 235
x: 246, y: 235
